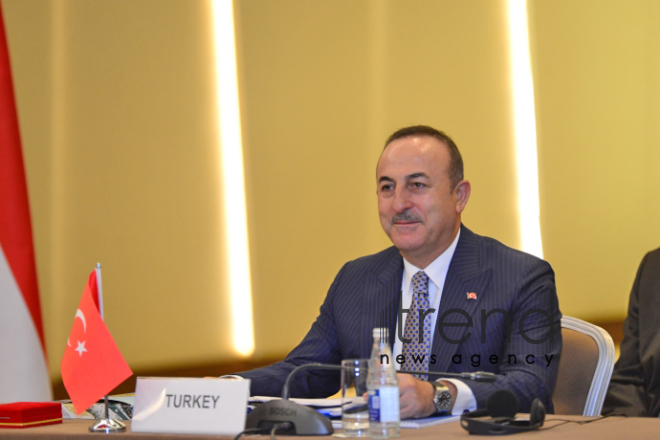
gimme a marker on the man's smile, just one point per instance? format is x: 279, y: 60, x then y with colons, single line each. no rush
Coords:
x: 406, y: 223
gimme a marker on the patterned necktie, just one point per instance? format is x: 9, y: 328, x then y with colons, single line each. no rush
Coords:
x: 414, y: 350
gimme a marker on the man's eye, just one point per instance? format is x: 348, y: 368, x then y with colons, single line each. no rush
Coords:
x: 418, y: 185
x: 386, y: 187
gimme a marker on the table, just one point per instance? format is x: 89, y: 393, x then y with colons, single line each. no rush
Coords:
x: 608, y: 428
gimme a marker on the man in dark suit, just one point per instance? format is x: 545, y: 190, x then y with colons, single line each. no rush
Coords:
x: 635, y: 386
x: 491, y: 308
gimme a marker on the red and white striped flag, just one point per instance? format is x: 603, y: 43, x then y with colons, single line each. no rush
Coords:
x: 23, y: 366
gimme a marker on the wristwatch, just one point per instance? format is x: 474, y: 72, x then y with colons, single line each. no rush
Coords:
x: 442, y: 398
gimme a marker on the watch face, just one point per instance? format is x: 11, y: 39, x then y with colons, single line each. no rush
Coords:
x: 442, y: 399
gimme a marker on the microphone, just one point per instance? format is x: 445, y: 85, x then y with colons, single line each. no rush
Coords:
x: 477, y: 376
x: 302, y: 420
x: 502, y: 405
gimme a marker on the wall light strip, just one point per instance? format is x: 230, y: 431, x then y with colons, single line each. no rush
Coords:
x: 233, y: 179
x: 525, y: 128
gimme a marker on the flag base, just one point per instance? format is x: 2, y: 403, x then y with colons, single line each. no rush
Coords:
x: 107, y: 425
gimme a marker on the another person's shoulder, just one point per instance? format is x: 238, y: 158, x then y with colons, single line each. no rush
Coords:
x: 649, y: 268
x: 653, y: 258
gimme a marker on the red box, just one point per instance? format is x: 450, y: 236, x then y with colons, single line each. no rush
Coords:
x: 28, y: 414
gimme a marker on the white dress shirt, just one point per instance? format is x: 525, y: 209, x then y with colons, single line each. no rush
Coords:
x: 437, y: 272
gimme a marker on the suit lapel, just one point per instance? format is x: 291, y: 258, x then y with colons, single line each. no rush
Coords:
x: 382, y: 300
x: 464, y: 276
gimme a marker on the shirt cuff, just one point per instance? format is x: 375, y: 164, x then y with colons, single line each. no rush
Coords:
x: 465, y: 400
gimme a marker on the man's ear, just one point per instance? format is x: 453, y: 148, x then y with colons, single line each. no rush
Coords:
x: 462, y: 189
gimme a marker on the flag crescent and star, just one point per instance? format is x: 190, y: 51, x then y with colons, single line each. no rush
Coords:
x: 81, y: 345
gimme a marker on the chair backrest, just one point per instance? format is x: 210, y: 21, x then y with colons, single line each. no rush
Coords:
x: 585, y: 368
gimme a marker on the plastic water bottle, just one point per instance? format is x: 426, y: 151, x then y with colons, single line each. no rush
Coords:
x: 382, y: 388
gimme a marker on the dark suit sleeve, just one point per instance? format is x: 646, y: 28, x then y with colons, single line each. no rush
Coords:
x: 319, y: 345
x: 626, y: 394
x: 535, y: 341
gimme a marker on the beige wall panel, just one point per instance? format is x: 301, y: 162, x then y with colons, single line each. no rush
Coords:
x: 307, y: 169
x: 598, y: 93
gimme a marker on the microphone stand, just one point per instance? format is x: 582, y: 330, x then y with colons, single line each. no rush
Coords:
x: 312, y: 366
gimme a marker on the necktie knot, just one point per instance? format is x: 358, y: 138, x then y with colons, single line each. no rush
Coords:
x: 420, y: 283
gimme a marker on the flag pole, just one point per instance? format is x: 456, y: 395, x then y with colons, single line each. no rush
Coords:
x: 107, y: 424
x: 99, y: 289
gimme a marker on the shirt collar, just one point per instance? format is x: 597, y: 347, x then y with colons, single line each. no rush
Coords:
x: 436, y: 271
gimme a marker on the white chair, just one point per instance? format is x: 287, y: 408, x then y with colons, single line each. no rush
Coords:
x: 585, y: 368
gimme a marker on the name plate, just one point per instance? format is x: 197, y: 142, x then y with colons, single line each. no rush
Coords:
x: 190, y: 406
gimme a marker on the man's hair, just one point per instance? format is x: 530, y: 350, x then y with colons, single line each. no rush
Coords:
x: 455, y: 158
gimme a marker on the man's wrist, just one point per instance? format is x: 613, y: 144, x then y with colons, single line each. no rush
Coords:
x: 430, y: 403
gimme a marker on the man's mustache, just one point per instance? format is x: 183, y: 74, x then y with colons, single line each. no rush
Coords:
x: 405, y: 217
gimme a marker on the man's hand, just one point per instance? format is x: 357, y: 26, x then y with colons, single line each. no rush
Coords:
x: 416, y: 396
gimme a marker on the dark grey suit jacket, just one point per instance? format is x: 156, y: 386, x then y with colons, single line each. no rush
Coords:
x: 635, y: 386
x: 365, y: 295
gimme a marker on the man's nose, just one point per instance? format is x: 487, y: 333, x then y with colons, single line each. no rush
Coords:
x: 402, y: 200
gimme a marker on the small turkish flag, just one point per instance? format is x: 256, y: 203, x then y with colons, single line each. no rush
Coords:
x: 471, y: 295
x: 92, y: 365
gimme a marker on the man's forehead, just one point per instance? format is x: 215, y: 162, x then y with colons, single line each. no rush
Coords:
x: 413, y: 155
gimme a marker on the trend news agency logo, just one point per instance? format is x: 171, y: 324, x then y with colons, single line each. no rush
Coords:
x: 448, y: 320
